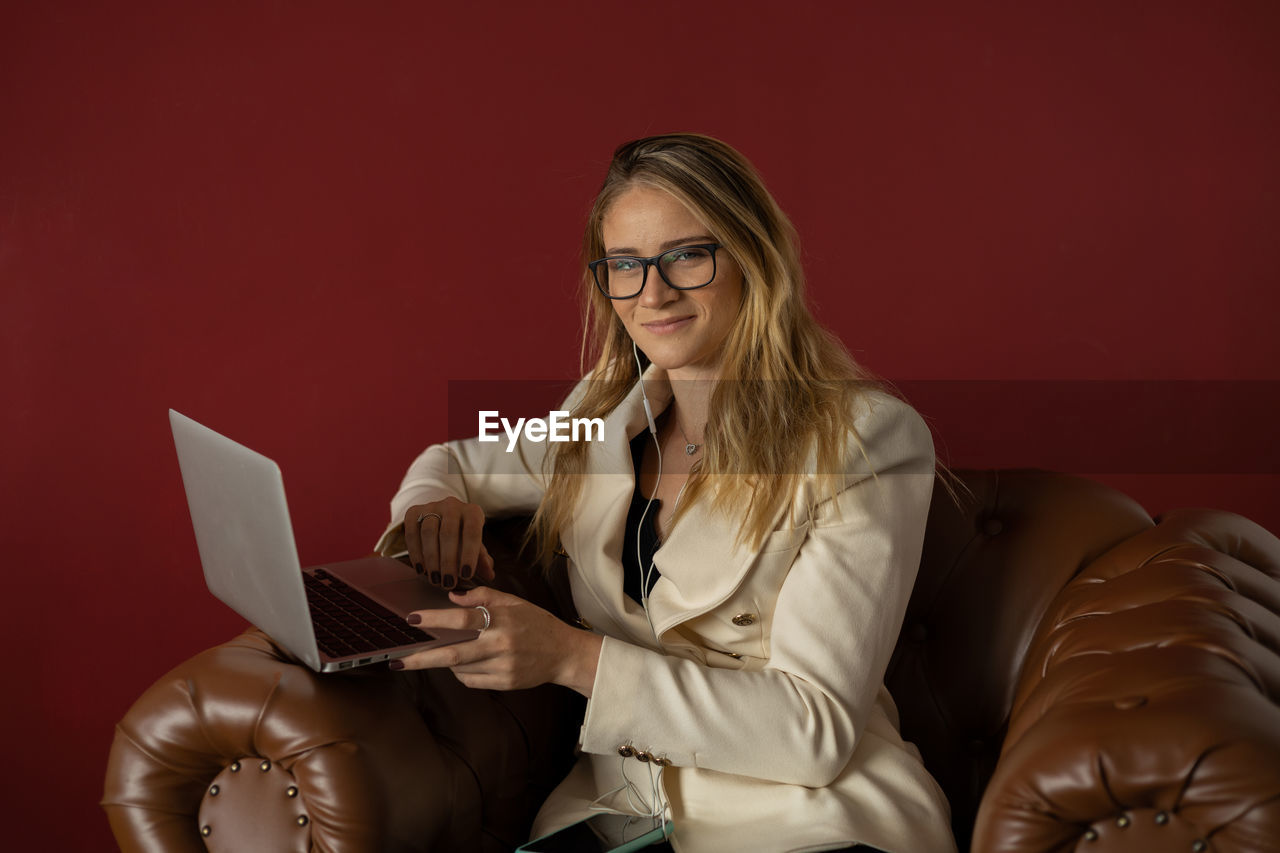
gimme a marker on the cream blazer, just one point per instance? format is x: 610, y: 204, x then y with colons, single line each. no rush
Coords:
x: 754, y: 708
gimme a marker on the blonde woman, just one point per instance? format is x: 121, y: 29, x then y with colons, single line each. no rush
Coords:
x: 742, y: 539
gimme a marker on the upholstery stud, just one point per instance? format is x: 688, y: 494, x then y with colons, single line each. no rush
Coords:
x: 254, y: 811
x: 1091, y: 835
x: 1122, y: 821
x: 1199, y: 846
x: 1162, y: 818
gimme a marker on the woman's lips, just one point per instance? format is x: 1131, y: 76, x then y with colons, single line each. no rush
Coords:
x: 666, y: 327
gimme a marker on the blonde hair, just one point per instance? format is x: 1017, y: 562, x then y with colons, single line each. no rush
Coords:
x: 792, y: 387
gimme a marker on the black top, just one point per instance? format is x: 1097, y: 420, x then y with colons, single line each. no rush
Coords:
x: 633, y: 569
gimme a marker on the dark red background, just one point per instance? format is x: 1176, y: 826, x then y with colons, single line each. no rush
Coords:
x: 296, y: 221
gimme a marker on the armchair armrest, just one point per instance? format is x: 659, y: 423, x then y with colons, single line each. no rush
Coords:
x: 242, y: 748
x: 1147, y: 714
x: 342, y: 761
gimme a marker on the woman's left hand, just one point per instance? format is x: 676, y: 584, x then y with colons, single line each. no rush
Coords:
x: 524, y: 645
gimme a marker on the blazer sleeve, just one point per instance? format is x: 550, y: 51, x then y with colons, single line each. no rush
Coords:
x: 834, y: 626
x: 500, y: 480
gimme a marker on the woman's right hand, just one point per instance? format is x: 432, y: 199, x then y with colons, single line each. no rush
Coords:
x: 443, y: 540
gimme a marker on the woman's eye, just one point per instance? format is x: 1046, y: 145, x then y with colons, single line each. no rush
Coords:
x: 623, y: 265
x: 685, y: 256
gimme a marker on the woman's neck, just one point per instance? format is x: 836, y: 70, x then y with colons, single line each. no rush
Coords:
x: 691, y: 403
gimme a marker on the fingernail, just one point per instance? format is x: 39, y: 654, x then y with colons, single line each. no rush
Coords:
x: 466, y: 572
x: 415, y: 619
x: 448, y: 582
x: 395, y: 664
x: 435, y: 577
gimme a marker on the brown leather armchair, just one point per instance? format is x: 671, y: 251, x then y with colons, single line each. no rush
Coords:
x: 1076, y: 675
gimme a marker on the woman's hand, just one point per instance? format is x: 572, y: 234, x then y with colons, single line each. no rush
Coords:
x: 443, y: 539
x: 524, y: 645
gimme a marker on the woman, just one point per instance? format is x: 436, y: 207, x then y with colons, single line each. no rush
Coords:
x: 742, y: 542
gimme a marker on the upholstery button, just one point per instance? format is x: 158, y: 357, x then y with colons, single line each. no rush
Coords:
x: 235, y: 767
x: 213, y: 791
x: 744, y: 619
x: 1128, y: 703
x: 1122, y: 821
x: 302, y: 820
x: 1091, y: 835
x: 1162, y: 818
x: 1199, y: 846
x: 291, y: 792
x: 643, y: 756
x: 992, y: 526
x: 626, y: 750
x: 206, y: 830
x: 264, y: 766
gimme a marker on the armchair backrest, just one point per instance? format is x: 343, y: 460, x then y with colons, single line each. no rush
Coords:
x: 993, y: 561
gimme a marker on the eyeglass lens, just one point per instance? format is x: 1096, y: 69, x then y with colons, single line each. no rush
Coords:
x: 689, y: 267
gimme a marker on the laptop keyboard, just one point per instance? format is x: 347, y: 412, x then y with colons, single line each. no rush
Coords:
x: 348, y: 622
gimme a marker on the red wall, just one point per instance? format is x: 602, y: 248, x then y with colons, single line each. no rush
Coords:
x: 296, y: 221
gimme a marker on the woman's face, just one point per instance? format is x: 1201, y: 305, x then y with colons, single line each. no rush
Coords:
x: 679, y: 330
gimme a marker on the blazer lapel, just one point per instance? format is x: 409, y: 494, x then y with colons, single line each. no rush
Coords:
x: 594, y: 539
x: 700, y: 565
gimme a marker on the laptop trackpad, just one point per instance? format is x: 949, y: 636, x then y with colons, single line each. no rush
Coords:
x: 392, y: 584
x: 409, y: 594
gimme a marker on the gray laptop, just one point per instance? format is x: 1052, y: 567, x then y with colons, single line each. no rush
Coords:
x: 331, y: 617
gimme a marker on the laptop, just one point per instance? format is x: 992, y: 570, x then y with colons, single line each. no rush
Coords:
x: 331, y: 617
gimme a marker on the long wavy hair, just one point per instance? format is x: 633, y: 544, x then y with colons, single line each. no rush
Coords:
x: 788, y: 387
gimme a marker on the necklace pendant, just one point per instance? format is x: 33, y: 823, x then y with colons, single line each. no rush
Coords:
x: 690, y: 449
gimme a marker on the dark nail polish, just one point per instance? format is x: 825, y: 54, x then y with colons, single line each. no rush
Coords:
x: 418, y: 566
x: 448, y: 582
x: 435, y: 577
x: 466, y: 572
x: 395, y: 664
x: 415, y: 619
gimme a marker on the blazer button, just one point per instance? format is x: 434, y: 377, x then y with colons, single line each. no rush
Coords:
x: 642, y: 756
x: 742, y: 620
x: 661, y: 762
x: 626, y: 751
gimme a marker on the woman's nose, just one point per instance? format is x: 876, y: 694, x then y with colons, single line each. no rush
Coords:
x: 657, y: 292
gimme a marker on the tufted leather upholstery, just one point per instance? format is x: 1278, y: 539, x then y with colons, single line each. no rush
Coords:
x: 1076, y: 675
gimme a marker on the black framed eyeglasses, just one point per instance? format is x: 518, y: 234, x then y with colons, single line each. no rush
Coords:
x: 684, y: 268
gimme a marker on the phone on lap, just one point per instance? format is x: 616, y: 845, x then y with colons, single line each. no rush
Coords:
x: 603, y: 833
